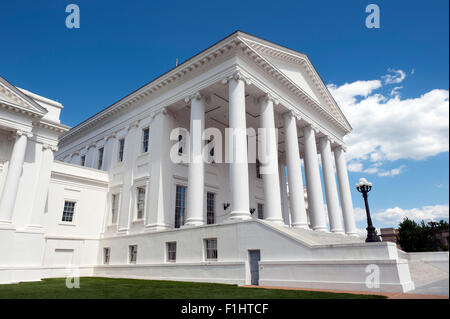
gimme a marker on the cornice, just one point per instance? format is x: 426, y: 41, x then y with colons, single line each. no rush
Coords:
x: 288, y: 55
x: 235, y: 41
x: 272, y: 70
x: 159, y: 83
x: 20, y: 109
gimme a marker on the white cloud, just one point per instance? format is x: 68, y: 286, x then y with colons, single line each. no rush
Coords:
x: 394, y: 76
x: 391, y: 128
x: 395, y: 91
x: 393, y: 216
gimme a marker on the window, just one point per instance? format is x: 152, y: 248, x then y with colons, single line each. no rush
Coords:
x: 211, y: 249
x: 140, y: 201
x: 121, y: 149
x: 260, y: 211
x: 172, y: 251
x: 83, y: 160
x: 106, y: 254
x: 132, y: 254
x: 100, y: 158
x: 210, y: 208
x: 114, y: 208
x: 258, y: 169
x: 180, y: 205
x: 145, y: 136
x: 69, y: 208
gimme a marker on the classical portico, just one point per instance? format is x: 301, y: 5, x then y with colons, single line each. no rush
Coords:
x: 276, y: 126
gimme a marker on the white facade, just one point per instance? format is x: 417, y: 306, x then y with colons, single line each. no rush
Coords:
x: 110, y: 204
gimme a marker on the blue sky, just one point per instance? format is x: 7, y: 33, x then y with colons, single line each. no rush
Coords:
x: 122, y: 45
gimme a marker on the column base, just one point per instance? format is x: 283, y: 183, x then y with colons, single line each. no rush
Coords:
x: 194, y: 222
x: 240, y: 215
x: 156, y: 227
x: 320, y: 228
x: 352, y: 234
x: 301, y: 226
x: 338, y: 231
x: 276, y: 221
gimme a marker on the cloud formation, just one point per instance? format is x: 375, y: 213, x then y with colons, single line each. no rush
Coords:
x: 393, y: 216
x: 389, y: 128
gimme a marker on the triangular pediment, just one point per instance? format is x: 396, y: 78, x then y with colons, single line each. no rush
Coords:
x: 296, y: 67
x: 12, y: 96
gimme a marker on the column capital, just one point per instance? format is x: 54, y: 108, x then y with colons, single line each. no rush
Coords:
x: 312, y: 127
x: 289, y: 114
x: 134, y: 124
x: 113, y: 135
x: 266, y: 97
x: 237, y: 75
x: 198, y: 96
x: 51, y: 147
x: 327, y: 137
x: 28, y: 134
x: 341, y: 147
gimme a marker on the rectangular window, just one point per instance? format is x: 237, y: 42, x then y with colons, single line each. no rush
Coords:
x: 83, y: 160
x: 260, y: 211
x: 100, y: 158
x: 258, y: 169
x: 69, y: 208
x: 106, y: 254
x: 172, y: 251
x: 145, y: 136
x: 180, y: 205
x: 210, y: 208
x: 114, y: 208
x: 121, y: 149
x: 140, y: 201
x: 132, y: 254
x: 211, y: 249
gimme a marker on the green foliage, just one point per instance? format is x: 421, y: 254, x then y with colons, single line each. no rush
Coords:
x: 117, y: 288
x: 418, y: 237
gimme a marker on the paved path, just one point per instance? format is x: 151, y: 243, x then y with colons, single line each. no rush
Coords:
x: 390, y: 295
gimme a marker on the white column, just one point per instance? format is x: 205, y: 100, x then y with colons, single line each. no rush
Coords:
x: 237, y: 147
x: 90, y: 156
x: 344, y: 191
x: 313, y: 183
x: 268, y: 156
x: 295, y: 180
x: 44, y: 182
x: 11, y: 185
x: 283, y: 191
x: 196, y: 186
x: 76, y: 159
x: 109, y: 152
x: 334, y: 212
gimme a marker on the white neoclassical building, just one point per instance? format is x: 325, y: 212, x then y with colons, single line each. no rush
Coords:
x: 168, y: 182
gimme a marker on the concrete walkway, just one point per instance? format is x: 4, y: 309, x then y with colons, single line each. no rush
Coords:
x: 390, y: 295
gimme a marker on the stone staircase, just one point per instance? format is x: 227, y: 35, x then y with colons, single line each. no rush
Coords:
x: 313, y: 238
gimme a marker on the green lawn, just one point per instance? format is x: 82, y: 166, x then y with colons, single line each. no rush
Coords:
x: 101, y: 288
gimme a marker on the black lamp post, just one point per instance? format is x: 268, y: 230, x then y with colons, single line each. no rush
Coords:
x: 364, y: 187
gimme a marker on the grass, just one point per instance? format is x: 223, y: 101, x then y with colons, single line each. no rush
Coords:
x: 109, y: 288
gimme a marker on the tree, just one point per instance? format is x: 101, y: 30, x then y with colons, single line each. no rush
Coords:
x: 415, y: 237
